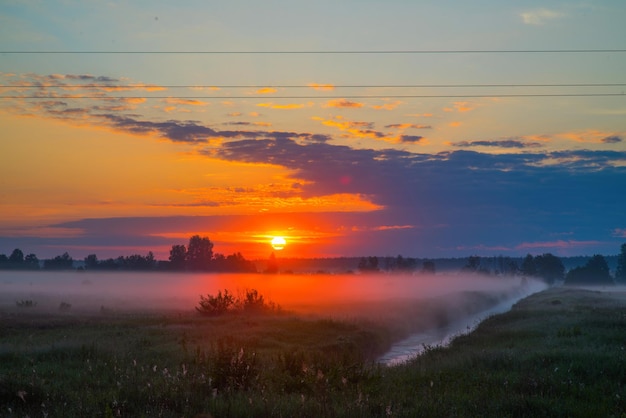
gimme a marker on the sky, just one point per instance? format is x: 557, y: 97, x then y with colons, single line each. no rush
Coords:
x: 351, y: 128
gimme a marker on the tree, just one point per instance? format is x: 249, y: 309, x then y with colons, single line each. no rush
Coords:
x: 529, y: 268
x: 31, y: 262
x: 178, y: 256
x: 16, y: 258
x: 595, y: 272
x: 549, y: 268
x: 60, y: 262
x: 91, y: 262
x: 369, y: 264
x: 428, y: 267
x: 620, y: 271
x: 199, y: 253
x: 272, y: 264
x: 473, y: 264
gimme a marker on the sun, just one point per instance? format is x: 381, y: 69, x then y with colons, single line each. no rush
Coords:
x: 278, y: 243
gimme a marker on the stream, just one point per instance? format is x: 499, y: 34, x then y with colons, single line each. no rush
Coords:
x: 416, y: 344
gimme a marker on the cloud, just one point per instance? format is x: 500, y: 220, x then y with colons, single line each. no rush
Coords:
x: 421, y: 115
x: 410, y: 138
x: 322, y: 87
x: 619, y: 232
x: 613, y: 139
x: 560, y: 244
x: 506, y: 143
x: 189, y: 102
x: 407, y: 126
x: 355, y: 128
x: 460, y: 107
x: 266, y: 90
x: 387, y: 106
x: 459, y: 198
x: 288, y: 106
x: 541, y: 16
x: 343, y: 103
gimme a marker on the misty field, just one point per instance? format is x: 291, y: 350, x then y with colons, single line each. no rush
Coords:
x: 560, y: 352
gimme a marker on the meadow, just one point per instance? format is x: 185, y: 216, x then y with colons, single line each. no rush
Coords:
x: 560, y: 352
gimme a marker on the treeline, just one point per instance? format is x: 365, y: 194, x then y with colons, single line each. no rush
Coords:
x: 546, y: 267
x: 198, y: 255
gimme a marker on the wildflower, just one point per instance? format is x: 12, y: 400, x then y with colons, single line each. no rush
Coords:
x: 21, y: 394
x: 344, y: 381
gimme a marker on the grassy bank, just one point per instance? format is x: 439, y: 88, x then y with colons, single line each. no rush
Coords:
x: 558, y: 353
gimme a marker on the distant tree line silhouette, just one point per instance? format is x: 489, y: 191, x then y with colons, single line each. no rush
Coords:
x: 198, y: 255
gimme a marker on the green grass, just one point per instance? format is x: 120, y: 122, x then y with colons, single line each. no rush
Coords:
x: 558, y: 353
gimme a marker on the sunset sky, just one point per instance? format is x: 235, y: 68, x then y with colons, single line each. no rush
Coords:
x: 427, y: 129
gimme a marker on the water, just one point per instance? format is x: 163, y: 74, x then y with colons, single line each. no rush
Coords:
x: 416, y: 344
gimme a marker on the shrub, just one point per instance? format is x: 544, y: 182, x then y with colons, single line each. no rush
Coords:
x: 216, y: 305
x: 251, y: 301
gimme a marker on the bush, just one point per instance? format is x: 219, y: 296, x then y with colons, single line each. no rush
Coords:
x: 250, y: 302
x: 216, y: 305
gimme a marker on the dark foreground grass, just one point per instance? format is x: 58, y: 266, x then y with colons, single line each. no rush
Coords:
x: 558, y: 353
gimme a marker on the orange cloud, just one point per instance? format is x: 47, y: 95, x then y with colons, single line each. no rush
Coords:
x: 133, y: 100
x: 592, y: 137
x: 343, y: 103
x: 407, y: 126
x: 455, y: 124
x: 323, y: 87
x: 202, y: 88
x: 266, y: 90
x: 387, y: 106
x: 366, y: 130
x: 460, y: 107
x: 288, y: 106
x: 190, y: 102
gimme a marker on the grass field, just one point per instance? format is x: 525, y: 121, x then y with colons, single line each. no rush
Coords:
x: 561, y: 352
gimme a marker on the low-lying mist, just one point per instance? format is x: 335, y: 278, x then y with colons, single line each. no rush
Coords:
x: 357, y: 295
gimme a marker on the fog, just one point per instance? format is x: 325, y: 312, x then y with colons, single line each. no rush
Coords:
x: 352, y: 295
x: 418, y: 309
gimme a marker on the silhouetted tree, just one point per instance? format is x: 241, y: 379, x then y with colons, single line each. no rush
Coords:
x: 428, y: 266
x: 473, y: 264
x: 199, y: 253
x: 60, y: 262
x: 272, y: 264
x: 529, y: 268
x: 31, y: 262
x: 620, y: 271
x: 178, y: 257
x: 91, y: 262
x: 368, y: 264
x: 4, y: 261
x: 16, y: 258
x: 595, y: 272
x: 549, y: 268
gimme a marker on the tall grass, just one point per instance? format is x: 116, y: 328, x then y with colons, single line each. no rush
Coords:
x: 558, y: 353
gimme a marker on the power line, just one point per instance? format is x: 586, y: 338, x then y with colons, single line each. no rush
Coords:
x: 320, y: 86
x: 397, y: 96
x: 338, y: 52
